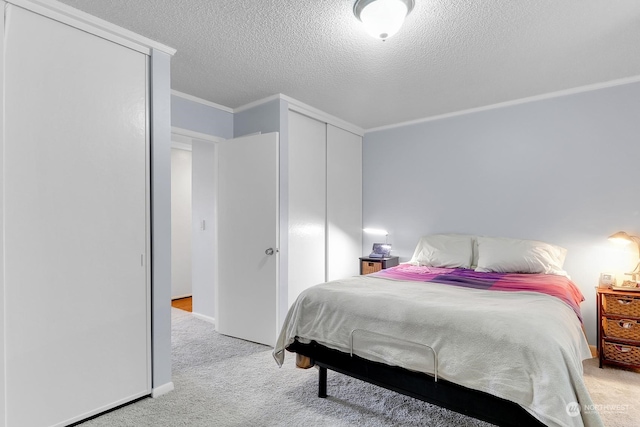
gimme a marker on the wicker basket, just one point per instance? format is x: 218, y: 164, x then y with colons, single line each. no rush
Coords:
x: 622, y: 353
x: 371, y: 267
x: 622, y: 305
x: 622, y: 328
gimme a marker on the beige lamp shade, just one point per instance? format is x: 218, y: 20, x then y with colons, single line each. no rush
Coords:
x: 622, y: 237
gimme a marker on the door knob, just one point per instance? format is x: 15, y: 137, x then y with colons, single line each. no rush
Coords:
x: 269, y: 251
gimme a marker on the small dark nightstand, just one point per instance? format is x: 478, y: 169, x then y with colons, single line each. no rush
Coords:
x: 371, y: 265
x: 618, y: 327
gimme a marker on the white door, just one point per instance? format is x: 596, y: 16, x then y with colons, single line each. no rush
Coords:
x: 248, y: 238
x: 75, y: 204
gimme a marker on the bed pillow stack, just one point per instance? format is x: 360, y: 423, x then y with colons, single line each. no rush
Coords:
x: 489, y: 254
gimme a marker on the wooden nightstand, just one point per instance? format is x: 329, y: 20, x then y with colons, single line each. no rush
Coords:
x: 618, y: 327
x: 371, y: 265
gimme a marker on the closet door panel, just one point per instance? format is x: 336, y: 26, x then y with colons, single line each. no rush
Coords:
x: 344, y: 203
x: 77, y: 320
x: 307, y: 203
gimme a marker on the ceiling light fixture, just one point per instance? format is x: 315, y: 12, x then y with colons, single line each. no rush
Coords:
x: 382, y: 18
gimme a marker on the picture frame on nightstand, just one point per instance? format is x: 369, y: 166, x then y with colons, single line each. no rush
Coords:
x: 380, y: 250
x: 607, y: 280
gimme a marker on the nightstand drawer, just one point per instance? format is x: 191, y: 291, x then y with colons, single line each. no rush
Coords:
x: 622, y: 305
x: 626, y: 329
x: 618, y: 327
x: 369, y: 267
x: 622, y: 353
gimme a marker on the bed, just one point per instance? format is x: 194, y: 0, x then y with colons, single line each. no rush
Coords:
x: 451, y: 328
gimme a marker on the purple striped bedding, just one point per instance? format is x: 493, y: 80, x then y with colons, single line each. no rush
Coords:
x: 560, y: 287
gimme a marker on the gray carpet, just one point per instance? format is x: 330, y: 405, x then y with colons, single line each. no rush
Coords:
x: 222, y: 381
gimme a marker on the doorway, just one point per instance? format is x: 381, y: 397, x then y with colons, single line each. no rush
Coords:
x: 180, y: 223
x: 193, y: 192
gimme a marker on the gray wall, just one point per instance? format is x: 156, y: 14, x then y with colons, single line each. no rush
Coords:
x: 201, y: 118
x: 560, y: 170
x: 262, y: 118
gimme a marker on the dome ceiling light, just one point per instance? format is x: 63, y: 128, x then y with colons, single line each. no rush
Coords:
x: 382, y: 18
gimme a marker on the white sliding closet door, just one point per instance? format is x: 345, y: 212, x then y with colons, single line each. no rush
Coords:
x: 307, y: 203
x: 75, y: 202
x: 344, y: 203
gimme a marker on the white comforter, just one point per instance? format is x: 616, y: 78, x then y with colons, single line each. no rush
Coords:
x: 522, y: 346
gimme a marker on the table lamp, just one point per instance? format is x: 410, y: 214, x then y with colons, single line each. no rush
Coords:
x: 622, y: 237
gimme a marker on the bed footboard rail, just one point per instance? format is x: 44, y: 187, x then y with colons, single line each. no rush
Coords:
x: 415, y: 384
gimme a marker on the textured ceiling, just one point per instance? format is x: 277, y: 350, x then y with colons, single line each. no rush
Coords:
x: 451, y: 55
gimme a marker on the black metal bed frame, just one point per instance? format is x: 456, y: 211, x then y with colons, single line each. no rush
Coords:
x: 421, y: 386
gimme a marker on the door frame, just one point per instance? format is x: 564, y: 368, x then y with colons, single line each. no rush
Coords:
x: 183, y: 139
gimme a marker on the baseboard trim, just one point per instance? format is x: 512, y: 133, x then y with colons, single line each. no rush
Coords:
x: 163, y: 389
x: 594, y: 350
x: 203, y: 317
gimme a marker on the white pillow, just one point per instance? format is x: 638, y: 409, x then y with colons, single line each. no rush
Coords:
x: 504, y: 255
x: 444, y: 250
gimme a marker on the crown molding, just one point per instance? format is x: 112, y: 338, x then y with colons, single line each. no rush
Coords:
x: 64, y: 13
x: 201, y: 101
x: 305, y: 109
x: 256, y: 103
x: 314, y: 113
x: 550, y: 95
x: 294, y: 105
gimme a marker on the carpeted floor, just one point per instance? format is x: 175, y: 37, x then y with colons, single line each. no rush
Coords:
x: 222, y: 381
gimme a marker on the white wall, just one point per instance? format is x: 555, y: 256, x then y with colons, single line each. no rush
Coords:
x: 180, y: 223
x: 561, y: 170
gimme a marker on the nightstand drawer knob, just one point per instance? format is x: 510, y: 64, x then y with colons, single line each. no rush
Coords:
x: 624, y: 301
